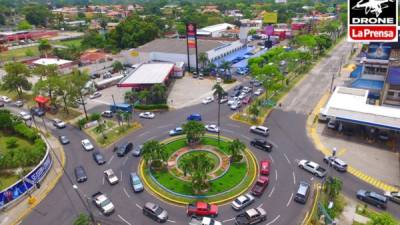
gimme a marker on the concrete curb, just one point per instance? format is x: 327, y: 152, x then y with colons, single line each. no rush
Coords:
x: 312, y: 133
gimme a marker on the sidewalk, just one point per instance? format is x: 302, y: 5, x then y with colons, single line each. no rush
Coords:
x: 375, y: 163
x: 16, y: 213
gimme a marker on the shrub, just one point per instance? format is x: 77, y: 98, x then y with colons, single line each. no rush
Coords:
x: 26, y: 132
x: 81, y: 123
x: 11, y: 142
x: 94, y: 116
x: 152, y: 107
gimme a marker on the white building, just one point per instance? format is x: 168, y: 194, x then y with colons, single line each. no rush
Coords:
x: 63, y: 65
x: 175, y: 51
x: 215, y: 30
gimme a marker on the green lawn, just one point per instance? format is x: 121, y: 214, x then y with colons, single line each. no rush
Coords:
x: 6, y: 181
x: 20, y: 142
x: 19, y: 53
x: 76, y: 42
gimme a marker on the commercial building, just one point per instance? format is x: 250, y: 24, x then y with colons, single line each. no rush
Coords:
x: 64, y: 66
x: 350, y: 105
x: 23, y: 35
x: 175, y: 51
x: 148, y: 74
x: 214, y: 31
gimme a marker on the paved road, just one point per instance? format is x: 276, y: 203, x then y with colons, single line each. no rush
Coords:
x: 288, y: 136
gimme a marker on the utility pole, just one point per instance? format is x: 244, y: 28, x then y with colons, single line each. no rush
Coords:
x: 115, y: 108
x: 83, y: 104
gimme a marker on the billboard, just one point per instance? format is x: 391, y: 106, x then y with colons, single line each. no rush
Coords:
x: 372, y: 20
x: 270, y: 17
x: 378, y: 51
x: 191, y: 32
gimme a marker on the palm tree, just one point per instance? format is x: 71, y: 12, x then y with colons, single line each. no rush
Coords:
x: 158, y: 92
x: 154, y: 154
x: 130, y: 96
x: 144, y: 96
x: 226, y: 66
x: 194, y: 131
x: 236, y: 147
x: 203, y: 58
x: 198, y: 166
x: 100, y: 128
x: 44, y: 47
x: 219, y: 92
x: 126, y: 116
x: 254, y: 111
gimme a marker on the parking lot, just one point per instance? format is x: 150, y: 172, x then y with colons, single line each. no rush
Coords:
x: 371, y: 155
x: 190, y: 91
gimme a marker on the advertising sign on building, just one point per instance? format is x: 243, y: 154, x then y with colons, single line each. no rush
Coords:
x: 372, y: 20
x: 191, y: 31
x: 270, y: 17
x: 378, y: 51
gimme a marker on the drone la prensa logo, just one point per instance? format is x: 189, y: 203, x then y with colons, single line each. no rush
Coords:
x: 372, y: 20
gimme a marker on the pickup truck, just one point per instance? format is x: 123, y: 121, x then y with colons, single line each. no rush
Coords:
x: 251, y: 216
x: 204, y: 221
x: 202, y: 209
x: 260, y: 186
x: 101, y: 201
x: 312, y: 167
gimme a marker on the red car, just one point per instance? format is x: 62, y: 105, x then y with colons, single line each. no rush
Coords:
x: 202, y: 209
x: 246, y: 100
x: 260, y: 186
x: 264, y: 167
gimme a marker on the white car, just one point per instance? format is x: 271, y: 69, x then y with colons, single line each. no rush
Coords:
x: 233, y: 100
x: 25, y: 115
x: 147, y: 115
x: 58, y: 123
x: 235, y: 105
x: 111, y: 177
x: 212, y: 128
x: 242, y: 201
x: 242, y: 96
x: 5, y: 99
x: 204, y: 221
x: 87, y: 145
x: 258, y: 91
x: 95, y: 95
x: 208, y: 100
x: 246, y: 89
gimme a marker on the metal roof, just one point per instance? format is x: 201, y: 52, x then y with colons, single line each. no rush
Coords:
x: 51, y: 61
x: 350, y: 104
x: 178, y: 46
x: 149, y: 73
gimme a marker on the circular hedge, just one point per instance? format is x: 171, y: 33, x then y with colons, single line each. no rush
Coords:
x: 231, y: 183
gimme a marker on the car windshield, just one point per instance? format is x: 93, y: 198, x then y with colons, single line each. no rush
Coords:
x: 158, y: 211
x: 136, y: 181
x: 105, y: 202
x: 99, y: 157
x: 238, y: 201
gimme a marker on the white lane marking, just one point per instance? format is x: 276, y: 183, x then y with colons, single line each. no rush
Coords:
x: 270, y: 157
x: 172, y: 221
x: 122, y: 218
x: 290, y: 200
x: 229, y: 131
x: 121, y: 175
x: 273, y: 144
x: 272, y: 191
x: 247, y: 138
x: 125, y: 160
x: 228, y: 220
x: 151, y: 138
x: 276, y: 174
x: 140, y: 207
x: 164, y: 126
x: 103, y: 180
x: 274, y: 220
x: 294, y: 178
x: 260, y: 205
x: 143, y: 133
x: 109, y: 161
x: 233, y: 125
x: 284, y: 154
x: 126, y: 193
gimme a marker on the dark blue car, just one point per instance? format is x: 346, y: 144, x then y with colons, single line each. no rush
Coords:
x: 194, y: 117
